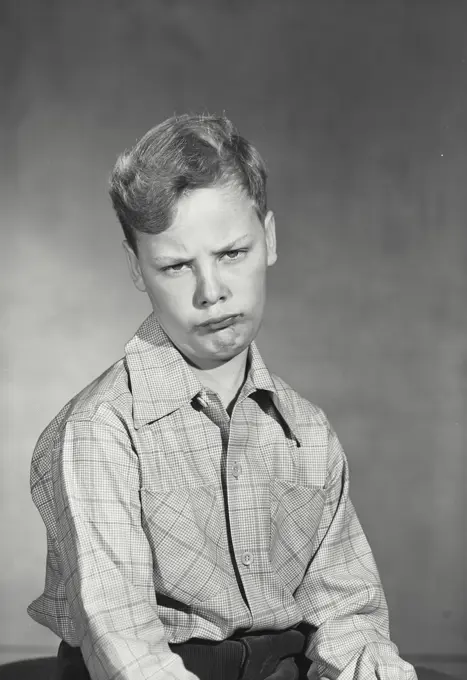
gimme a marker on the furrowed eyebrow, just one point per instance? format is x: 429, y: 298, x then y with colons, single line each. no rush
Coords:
x: 240, y: 241
x: 170, y: 260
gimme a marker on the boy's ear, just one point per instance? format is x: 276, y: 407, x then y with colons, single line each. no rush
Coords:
x: 134, y: 267
x: 270, y: 233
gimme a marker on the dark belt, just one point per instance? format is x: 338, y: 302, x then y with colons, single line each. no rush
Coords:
x: 265, y: 656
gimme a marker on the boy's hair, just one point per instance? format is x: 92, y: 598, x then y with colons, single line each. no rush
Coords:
x: 182, y: 154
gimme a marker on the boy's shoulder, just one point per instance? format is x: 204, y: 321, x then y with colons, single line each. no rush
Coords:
x: 305, y: 412
x: 107, y: 399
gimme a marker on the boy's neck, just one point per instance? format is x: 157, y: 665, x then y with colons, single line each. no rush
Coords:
x: 226, y: 380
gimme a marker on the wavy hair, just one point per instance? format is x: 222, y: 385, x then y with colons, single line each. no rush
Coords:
x: 180, y: 155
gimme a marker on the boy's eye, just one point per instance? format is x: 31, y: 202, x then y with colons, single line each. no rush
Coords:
x: 173, y: 268
x: 234, y: 254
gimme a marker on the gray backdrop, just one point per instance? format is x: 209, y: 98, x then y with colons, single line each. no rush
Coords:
x: 359, y: 109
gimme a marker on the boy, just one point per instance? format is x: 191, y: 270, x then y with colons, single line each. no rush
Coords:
x: 197, y: 510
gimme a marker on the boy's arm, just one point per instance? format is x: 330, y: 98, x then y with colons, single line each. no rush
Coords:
x: 341, y: 595
x: 106, y: 558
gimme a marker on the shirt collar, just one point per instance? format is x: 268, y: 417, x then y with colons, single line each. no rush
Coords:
x: 259, y: 378
x: 162, y: 381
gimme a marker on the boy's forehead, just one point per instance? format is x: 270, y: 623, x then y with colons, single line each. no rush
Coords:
x: 210, y: 215
x: 212, y: 203
x: 210, y: 219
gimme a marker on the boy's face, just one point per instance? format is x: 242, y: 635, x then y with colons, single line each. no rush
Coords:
x: 208, y: 265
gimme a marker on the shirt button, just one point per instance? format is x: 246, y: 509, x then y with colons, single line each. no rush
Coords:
x: 247, y: 558
x: 236, y: 470
x: 202, y: 401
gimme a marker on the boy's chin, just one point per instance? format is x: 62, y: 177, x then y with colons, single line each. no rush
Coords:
x: 214, y: 356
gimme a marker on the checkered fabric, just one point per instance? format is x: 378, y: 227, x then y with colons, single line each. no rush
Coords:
x: 167, y: 520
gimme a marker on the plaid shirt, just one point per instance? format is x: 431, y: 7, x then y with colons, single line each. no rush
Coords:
x: 167, y: 520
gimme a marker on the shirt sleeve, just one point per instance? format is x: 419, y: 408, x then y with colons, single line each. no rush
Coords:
x: 341, y: 596
x: 106, y: 558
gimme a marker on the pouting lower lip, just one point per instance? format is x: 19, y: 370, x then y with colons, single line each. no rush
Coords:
x: 225, y: 321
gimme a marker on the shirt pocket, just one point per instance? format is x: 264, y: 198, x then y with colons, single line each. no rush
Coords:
x: 172, y: 458
x: 186, y: 531
x: 296, y: 512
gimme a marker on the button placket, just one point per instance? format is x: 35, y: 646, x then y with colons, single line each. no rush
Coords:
x: 240, y: 533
